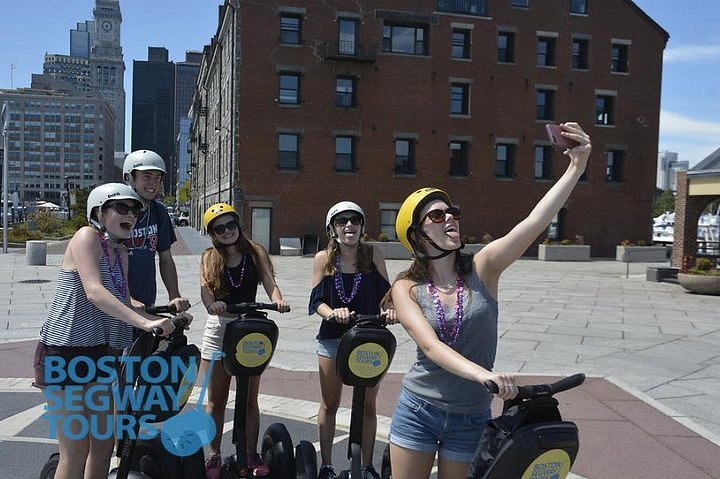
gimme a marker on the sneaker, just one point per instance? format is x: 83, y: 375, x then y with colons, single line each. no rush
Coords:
x: 368, y: 472
x: 258, y: 466
x: 213, y: 464
x: 327, y: 472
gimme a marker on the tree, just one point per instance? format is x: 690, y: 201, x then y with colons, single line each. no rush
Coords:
x: 664, y: 202
x: 184, y: 192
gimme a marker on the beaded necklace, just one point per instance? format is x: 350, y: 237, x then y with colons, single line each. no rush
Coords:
x: 445, y: 337
x: 242, y: 273
x: 116, y: 271
x: 339, y: 287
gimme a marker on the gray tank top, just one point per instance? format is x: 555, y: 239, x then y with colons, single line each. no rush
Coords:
x: 477, y: 342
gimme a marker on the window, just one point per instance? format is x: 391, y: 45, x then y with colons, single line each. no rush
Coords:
x: 345, y: 91
x: 504, y: 153
x: 289, y: 89
x: 344, y: 153
x: 404, y: 157
x: 459, y: 99
x: 388, y: 217
x: 468, y: 7
x: 290, y: 29
x: 546, y: 52
x: 461, y: 43
x: 614, y: 166
x: 604, y: 110
x: 542, y: 162
x: 347, y: 36
x: 288, y: 157
x: 619, y: 58
x: 519, y: 3
x: 458, y: 158
x: 580, y: 49
x: 544, y: 104
x: 506, y: 47
x: 405, y: 39
x: 578, y: 6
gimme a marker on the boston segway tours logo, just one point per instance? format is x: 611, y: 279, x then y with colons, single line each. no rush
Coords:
x: 123, y: 396
x: 254, y: 349
x: 552, y: 464
x: 368, y: 360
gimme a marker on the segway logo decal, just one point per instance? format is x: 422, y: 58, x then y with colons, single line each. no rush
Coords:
x: 368, y: 360
x: 553, y: 464
x: 253, y: 350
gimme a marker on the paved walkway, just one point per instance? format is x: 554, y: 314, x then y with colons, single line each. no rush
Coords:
x: 650, y: 351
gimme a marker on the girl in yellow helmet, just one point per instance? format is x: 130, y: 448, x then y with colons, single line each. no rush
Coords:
x: 447, y: 302
x: 230, y: 272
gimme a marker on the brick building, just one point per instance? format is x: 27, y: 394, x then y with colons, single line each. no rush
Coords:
x: 300, y: 104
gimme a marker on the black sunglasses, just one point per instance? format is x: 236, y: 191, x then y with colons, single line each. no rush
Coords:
x: 438, y: 215
x: 342, y: 220
x: 124, y: 208
x: 220, y: 229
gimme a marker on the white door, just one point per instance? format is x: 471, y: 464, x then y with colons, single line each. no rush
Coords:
x: 261, y: 226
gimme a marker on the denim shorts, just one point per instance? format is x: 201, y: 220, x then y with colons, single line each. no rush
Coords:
x: 420, y: 426
x: 328, y: 348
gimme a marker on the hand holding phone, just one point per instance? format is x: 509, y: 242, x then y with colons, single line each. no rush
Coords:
x: 554, y: 133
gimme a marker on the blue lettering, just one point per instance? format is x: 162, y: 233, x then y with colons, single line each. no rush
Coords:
x: 82, y: 430
x: 54, y: 370
x: 73, y: 371
x: 106, y: 365
x: 54, y: 401
x: 73, y: 398
x: 98, y: 399
x: 146, y: 366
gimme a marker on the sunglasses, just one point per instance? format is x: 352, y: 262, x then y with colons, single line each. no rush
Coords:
x: 343, y: 220
x: 438, y: 215
x: 124, y: 208
x: 220, y: 229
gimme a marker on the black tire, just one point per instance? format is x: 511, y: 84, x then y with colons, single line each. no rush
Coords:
x: 305, y: 461
x: 278, y: 452
x: 344, y: 474
x: 48, y: 470
x: 355, y: 462
x: 385, y: 468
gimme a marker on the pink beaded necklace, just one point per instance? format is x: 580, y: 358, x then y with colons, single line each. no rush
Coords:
x: 451, y: 337
x: 116, y: 271
x: 340, y: 288
x: 242, y: 273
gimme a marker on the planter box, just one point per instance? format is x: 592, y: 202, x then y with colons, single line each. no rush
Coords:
x: 574, y: 252
x: 696, y: 283
x: 395, y: 250
x: 641, y: 254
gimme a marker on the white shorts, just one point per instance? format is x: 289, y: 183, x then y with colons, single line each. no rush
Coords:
x: 213, y: 336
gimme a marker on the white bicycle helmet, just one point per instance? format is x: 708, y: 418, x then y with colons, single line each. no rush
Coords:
x: 108, y: 192
x: 142, y: 160
x: 339, y: 208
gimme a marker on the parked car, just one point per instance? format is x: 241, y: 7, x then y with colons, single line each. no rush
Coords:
x: 182, y: 219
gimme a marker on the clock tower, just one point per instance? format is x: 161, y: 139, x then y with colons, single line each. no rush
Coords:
x: 107, y: 68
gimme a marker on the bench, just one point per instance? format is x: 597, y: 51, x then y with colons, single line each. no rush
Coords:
x: 661, y: 273
x: 290, y: 247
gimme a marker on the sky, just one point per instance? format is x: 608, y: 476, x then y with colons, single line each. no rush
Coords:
x: 690, y: 101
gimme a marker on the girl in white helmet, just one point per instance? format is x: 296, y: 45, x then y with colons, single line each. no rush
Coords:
x: 348, y: 277
x: 91, y: 317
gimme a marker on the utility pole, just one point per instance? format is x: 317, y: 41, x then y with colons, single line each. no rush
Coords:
x: 5, y: 126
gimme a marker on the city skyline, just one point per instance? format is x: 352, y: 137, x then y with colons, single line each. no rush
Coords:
x: 690, y: 106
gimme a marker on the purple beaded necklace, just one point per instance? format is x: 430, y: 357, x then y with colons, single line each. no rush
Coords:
x: 357, y: 279
x: 445, y: 337
x: 116, y: 271
x: 242, y: 273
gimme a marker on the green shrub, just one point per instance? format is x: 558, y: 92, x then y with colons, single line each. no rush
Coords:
x: 382, y: 237
x: 20, y: 234
x: 704, y: 267
x: 486, y: 238
x: 566, y: 242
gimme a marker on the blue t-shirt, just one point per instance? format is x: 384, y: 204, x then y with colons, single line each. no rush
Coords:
x: 153, y: 233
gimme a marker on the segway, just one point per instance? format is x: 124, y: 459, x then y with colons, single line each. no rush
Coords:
x: 529, y: 438
x: 248, y: 346
x: 148, y: 458
x: 364, y: 356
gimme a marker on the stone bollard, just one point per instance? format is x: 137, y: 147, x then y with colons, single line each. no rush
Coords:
x: 36, y: 252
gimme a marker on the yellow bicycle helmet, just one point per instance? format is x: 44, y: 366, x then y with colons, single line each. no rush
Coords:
x: 216, y: 210
x: 408, y: 215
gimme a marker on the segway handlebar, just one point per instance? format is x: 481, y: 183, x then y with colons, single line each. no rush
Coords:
x: 241, y: 308
x: 180, y: 322
x: 165, y: 309
x: 536, y: 390
x: 361, y: 319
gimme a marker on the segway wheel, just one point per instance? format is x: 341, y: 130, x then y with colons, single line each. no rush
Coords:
x: 305, y: 461
x: 277, y: 451
x: 385, y: 469
x: 344, y: 474
x: 48, y: 470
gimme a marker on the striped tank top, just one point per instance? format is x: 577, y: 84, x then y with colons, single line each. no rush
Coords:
x: 74, y: 321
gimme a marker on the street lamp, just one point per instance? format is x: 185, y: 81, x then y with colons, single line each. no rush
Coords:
x: 67, y: 192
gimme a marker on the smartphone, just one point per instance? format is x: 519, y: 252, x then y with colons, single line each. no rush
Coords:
x: 554, y: 133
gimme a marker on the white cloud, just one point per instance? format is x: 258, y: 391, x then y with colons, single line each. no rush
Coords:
x: 693, y: 54
x: 692, y: 138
